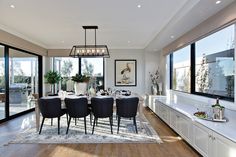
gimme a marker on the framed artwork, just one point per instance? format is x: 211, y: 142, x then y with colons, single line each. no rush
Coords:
x: 125, y: 72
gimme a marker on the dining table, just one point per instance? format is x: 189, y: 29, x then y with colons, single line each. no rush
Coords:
x: 64, y: 95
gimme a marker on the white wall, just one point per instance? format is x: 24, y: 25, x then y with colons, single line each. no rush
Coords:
x: 152, y: 63
x: 138, y: 55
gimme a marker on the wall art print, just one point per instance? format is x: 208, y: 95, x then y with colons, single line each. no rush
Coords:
x: 125, y: 72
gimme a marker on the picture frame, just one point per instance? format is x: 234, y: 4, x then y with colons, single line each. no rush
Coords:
x: 125, y: 72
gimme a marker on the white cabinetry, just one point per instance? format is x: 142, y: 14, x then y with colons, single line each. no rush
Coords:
x: 222, y: 146
x: 206, y: 141
x: 211, y: 144
x: 164, y: 113
x: 202, y: 139
x: 181, y: 124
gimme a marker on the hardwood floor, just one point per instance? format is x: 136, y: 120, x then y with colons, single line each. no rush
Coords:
x: 172, y: 145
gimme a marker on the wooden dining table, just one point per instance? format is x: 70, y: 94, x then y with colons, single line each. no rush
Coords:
x: 62, y: 97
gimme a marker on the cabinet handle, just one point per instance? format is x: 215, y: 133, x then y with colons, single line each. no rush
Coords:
x: 209, y: 136
x: 213, y: 138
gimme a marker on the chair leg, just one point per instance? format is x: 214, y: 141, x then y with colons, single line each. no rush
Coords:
x: 58, y: 121
x: 94, y: 124
x: 67, y: 118
x: 41, y: 125
x: 91, y: 118
x: 110, y: 118
x: 68, y: 126
x: 75, y: 121
x: 118, y: 126
x: 85, y: 125
x: 51, y: 121
x: 135, y: 124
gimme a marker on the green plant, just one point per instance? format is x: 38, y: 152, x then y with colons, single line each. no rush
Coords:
x: 80, y: 78
x: 52, y: 77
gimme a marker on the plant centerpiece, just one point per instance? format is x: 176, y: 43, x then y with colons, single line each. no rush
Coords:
x: 52, y: 78
x: 155, y: 81
x: 81, y: 82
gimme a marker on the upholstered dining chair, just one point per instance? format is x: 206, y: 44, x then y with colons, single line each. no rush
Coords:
x: 51, y: 108
x: 77, y: 108
x: 127, y: 108
x: 102, y: 107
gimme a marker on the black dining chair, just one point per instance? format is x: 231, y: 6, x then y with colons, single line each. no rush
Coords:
x: 51, y: 108
x: 127, y: 108
x: 102, y: 107
x: 77, y: 108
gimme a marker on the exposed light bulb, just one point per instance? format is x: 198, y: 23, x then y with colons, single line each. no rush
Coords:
x: 12, y: 6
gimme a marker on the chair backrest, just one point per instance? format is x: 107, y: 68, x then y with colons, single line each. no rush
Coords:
x: 50, y: 107
x: 77, y: 107
x: 102, y: 107
x: 127, y: 107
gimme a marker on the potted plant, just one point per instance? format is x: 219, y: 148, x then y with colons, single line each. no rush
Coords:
x: 52, y: 78
x: 81, y: 82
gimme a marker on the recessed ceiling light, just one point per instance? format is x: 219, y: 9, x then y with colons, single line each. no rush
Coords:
x: 139, y: 6
x: 12, y: 6
x: 128, y: 41
x: 218, y: 2
x: 172, y: 37
x: 62, y: 41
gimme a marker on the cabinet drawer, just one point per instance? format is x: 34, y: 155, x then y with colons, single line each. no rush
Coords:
x: 164, y: 113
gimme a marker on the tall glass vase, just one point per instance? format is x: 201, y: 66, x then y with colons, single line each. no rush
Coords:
x: 154, y: 89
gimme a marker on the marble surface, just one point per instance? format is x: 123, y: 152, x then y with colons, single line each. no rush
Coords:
x: 226, y: 129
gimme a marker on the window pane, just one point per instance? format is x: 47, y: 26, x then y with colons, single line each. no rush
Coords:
x: 181, y: 70
x: 93, y: 67
x: 23, y: 80
x: 67, y: 67
x: 2, y: 83
x: 214, y: 67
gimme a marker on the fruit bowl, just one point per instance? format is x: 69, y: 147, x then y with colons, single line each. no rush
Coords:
x: 201, y: 114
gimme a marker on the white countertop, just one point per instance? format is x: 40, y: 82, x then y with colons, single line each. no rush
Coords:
x: 227, y: 129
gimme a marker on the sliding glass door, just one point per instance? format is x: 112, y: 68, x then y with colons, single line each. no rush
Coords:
x: 20, y: 79
x: 23, y: 80
x: 2, y: 83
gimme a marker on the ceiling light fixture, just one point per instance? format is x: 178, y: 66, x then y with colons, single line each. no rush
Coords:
x: 12, y: 6
x: 218, y: 2
x: 172, y: 37
x: 79, y: 51
x: 139, y: 6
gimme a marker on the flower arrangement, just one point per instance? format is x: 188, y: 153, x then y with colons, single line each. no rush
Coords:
x: 80, y: 78
x: 155, y: 77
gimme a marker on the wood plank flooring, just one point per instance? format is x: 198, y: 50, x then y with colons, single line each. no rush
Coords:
x: 173, y: 146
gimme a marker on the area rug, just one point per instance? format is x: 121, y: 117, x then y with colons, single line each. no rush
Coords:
x: 102, y: 133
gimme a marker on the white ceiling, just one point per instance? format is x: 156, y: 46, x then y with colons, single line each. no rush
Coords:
x: 58, y: 23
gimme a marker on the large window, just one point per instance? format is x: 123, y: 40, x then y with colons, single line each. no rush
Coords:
x: 68, y: 67
x: 94, y: 68
x: 181, y: 70
x: 2, y: 83
x: 214, y: 65
x: 206, y: 67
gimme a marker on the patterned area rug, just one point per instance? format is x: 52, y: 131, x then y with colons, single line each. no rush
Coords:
x: 102, y: 133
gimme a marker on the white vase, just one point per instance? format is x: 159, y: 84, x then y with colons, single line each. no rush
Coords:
x: 155, y: 89
x: 80, y: 88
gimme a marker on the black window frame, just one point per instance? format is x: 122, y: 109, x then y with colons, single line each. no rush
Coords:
x: 40, y: 81
x: 192, y: 71
x: 80, y: 67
